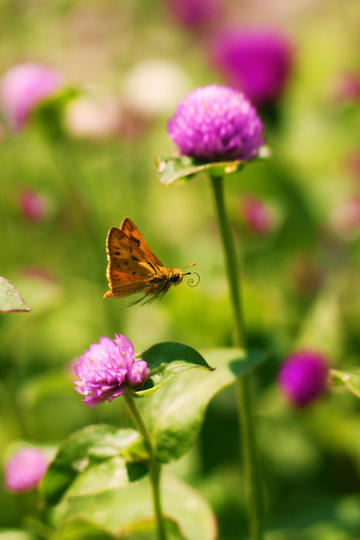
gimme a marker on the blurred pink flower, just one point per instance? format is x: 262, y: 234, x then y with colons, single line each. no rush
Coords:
x: 22, y: 87
x: 257, y: 61
x: 195, y: 13
x: 93, y: 118
x: 25, y: 469
x: 353, y: 163
x: 345, y: 218
x: 257, y: 215
x: 347, y: 87
x: 32, y: 205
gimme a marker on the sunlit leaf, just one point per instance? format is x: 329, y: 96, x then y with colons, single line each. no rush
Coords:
x: 350, y: 379
x: 174, y: 414
x: 166, y: 360
x: 127, y: 509
x: 10, y: 299
x: 92, y: 460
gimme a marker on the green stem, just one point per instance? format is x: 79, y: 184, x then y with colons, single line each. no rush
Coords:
x: 154, y: 465
x: 243, y: 384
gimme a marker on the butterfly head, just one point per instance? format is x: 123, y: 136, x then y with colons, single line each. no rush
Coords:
x: 176, y: 276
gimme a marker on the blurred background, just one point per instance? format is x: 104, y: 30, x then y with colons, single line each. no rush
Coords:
x: 78, y: 157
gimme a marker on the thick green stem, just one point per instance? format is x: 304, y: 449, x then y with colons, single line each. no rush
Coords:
x: 154, y: 465
x: 243, y: 385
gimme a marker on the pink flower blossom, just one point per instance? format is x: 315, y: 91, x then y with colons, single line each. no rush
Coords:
x: 25, y: 469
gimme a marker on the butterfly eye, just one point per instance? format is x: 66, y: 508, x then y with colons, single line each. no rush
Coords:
x: 174, y: 278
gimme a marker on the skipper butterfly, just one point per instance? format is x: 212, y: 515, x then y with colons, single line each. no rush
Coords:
x: 133, y: 267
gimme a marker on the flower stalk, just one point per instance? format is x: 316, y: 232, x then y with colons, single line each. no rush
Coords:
x: 243, y: 385
x: 154, y: 465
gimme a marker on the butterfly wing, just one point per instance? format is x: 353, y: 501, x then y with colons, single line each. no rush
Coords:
x: 130, y: 229
x: 127, y: 271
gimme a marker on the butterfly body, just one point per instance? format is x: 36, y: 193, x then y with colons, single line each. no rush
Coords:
x: 133, y: 267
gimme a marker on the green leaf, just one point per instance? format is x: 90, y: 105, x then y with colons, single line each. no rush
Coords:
x: 48, y: 115
x: 178, y: 167
x: 165, y: 361
x: 181, y: 167
x: 92, y: 460
x: 350, y: 379
x: 175, y: 413
x: 127, y: 509
x: 10, y: 299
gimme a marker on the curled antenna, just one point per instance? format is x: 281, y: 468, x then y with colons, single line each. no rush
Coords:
x: 193, y: 281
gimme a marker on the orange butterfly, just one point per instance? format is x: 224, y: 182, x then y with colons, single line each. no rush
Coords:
x: 133, y: 267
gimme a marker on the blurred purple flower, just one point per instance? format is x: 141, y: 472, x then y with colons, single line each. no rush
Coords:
x: 195, y: 13
x: 256, y: 61
x: 303, y: 377
x: 216, y: 123
x: 25, y: 469
x: 105, y: 369
x: 257, y: 215
x: 32, y: 204
x: 23, y: 87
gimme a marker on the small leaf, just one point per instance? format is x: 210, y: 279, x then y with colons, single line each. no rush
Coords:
x: 175, y: 413
x: 127, y: 509
x: 181, y: 167
x: 10, y: 299
x: 16, y: 534
x: 166, y: 360
x: 93, y: 460
x: 350, y: 379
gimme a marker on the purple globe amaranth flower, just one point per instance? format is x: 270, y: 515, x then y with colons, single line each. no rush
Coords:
x: 303, y: 377
x: 23, y: 87
x: 25, y: 469
x: 105, y: 369
x: 257, y: 61
x: 195, y: 13
x: 215, y: 123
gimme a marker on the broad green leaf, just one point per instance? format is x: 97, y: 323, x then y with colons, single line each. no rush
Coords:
x: 178, y: 167
x: 165, y: 360
x: 174, y: 414
x: 10, y: 299
x: 125, y: 509
x: 92, y: 460
x: 143, y: 530
x: 350, y: 379
x: 49, y: 113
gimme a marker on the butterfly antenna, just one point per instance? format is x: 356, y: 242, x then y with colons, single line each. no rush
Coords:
x: 193, y: 281
x: 188, y: 266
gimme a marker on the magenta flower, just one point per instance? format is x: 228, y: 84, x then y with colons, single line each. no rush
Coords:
x: 195, y: 13
x: 106, y: 368
x: 23, y: 87
x: 256, y: 61
x: 345, y: 218
x: 303, y: 377
x: 32, y: 205
x: 25, y: 469
x: 257, y: 215
x: 215, y: 123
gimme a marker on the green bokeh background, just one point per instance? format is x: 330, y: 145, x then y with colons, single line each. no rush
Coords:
x: 301, y: 280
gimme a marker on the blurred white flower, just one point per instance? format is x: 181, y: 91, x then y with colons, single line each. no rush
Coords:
x: 93, y: 118
x: 155, y: 86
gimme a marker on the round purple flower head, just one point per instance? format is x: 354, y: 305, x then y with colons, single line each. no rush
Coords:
x: 215, y: 123
x: 105, y: 369
x: 25, y: 469
x: 257, y: 61
x: 23, y: 87
x: 303, y: 377
x: 195, y: 13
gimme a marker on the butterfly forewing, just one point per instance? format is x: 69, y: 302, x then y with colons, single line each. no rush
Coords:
x: 131, y: 230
